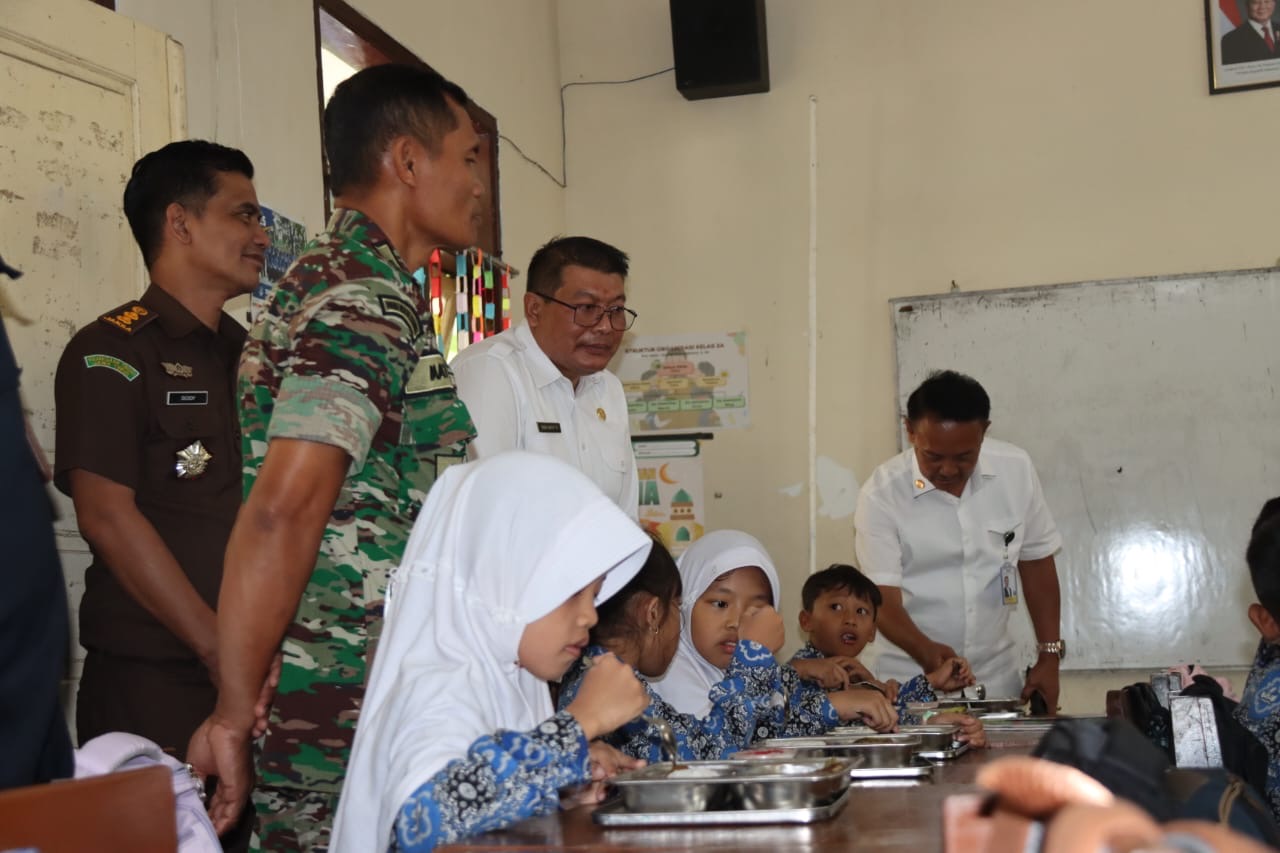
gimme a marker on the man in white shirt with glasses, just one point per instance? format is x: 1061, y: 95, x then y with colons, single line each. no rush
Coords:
x: 544, y: 385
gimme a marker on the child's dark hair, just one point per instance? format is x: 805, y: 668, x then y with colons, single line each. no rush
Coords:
x: 658, y: 577
x: 840, y: 576
x: 1269, y: 510
x: 1263, y: 557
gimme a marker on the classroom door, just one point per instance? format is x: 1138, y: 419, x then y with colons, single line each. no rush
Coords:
x: 83, y: 93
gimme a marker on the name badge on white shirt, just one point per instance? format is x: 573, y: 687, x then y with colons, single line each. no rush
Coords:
x: 1008, y: 576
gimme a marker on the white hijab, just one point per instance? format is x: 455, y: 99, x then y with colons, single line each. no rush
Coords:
x: 499, y: 544
x: 688, y: 681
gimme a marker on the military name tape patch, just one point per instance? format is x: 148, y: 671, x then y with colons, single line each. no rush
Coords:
x: 124, y: 368
x: 187, y: 398
x: 431, y: 374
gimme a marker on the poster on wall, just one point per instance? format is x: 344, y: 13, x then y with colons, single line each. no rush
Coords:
x: 671, y: 500
x: 288, y: 237
x: 684, y: 383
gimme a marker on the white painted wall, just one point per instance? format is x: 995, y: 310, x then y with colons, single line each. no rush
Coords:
x: 993, y: 143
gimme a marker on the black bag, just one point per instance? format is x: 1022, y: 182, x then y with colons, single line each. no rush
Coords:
x: 1149, y: 716
x: 1118, y: 755
x: 1242, y: 753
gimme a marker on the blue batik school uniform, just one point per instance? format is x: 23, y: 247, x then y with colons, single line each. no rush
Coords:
x: 1259, y: 712
x: 750, y: 702
x: 504, y: 778
x: 917, y: 689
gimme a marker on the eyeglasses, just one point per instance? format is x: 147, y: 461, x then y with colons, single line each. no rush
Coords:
x: 620, y: 318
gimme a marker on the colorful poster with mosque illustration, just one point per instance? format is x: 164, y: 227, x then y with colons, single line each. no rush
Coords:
x: 671, y: 503
x: 685, y: 383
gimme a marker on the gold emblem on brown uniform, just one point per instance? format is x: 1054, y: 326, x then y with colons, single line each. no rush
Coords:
x: 173, y: 368
x: 193, y: 461
x: 129, y: 317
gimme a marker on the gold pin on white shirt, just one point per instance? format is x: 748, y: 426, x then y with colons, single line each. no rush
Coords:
x: 919, y: 484
x: 600, y: 414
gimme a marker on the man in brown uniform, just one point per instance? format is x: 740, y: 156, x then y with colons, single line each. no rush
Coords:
x: 148, y: 446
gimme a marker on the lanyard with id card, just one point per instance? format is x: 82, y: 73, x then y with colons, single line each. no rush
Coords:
x: 1008, y: 575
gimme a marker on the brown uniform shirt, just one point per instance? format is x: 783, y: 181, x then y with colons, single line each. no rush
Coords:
x: 135, y: 389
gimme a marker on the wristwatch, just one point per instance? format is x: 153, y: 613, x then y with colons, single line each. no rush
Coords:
x: 1054, y: 647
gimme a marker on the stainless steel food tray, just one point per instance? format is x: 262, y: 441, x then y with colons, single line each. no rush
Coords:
x: 868, y: 750
x: 932, y: 735
x: 699, y: 786
x: 972, y: 706
x: 615, y: 814
x: 920, y: 769
x: 956, y: 750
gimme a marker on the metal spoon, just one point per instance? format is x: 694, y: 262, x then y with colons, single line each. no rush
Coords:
x: 666, y: 736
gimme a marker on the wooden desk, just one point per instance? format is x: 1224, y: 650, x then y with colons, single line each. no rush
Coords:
x: 905, y: 818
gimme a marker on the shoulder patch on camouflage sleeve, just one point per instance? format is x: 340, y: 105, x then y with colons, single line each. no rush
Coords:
x: 129, y: 317
x: 124, y: 368
x: 430, y: 374
x: 394, y: 306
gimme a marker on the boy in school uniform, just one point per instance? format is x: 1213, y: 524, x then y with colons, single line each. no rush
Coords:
x: 1259, y: 708
x: 840, y: 605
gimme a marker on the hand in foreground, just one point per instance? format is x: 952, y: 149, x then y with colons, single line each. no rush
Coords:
x: 953, y: 674
x: 262, y: 709
x: 869, y: 705
x: 764, y: 625
x: 217, y: 749
x: 610, y: 696
x: 971, y: 729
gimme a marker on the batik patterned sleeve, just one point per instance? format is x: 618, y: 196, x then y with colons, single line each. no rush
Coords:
x: 1259, y: 712
x: 808, y: 652
x: 748, y: 692
x: 917, y: 689
x: 506, y: 777
x: 808, y: 711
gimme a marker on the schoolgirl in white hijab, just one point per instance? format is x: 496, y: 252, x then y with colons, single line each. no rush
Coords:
x: 457, y: 733
x: 688, y: 681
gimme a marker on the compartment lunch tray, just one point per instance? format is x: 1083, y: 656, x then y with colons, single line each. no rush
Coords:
x: 957, y: 749
x: 614, y: 813
x: 920, y: 768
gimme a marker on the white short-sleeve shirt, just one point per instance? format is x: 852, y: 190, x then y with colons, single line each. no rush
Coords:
x: 946, y: 553
x: 519, y: 399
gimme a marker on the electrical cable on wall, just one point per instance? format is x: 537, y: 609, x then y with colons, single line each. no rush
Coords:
x: 563, y: 181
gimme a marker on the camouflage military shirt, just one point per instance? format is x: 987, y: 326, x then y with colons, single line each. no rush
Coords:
x: 345, y: 355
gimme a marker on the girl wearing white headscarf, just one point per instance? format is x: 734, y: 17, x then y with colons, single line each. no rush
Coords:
x: 457, y: 733
x: 688, y: 683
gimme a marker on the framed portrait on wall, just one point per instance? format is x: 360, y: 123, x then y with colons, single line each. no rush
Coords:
x: 1243, y: 45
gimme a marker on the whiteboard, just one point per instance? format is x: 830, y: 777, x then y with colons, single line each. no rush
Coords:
x: 1150, y: 409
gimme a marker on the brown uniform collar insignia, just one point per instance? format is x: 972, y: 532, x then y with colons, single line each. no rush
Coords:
x: 129, y: 317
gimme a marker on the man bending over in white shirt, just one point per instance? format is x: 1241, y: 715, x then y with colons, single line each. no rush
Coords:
x: 954, y: 530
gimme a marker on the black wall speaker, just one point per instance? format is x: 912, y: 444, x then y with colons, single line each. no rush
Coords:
x: 721, y: 47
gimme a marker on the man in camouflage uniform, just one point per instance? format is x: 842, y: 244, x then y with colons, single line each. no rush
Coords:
x: 348, y: 414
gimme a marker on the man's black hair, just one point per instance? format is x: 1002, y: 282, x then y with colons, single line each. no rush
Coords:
x: 376, y: 105
x: 550, y: 260
x: 840, y: 577
x: 184, y: 172
x: 949, y: 396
